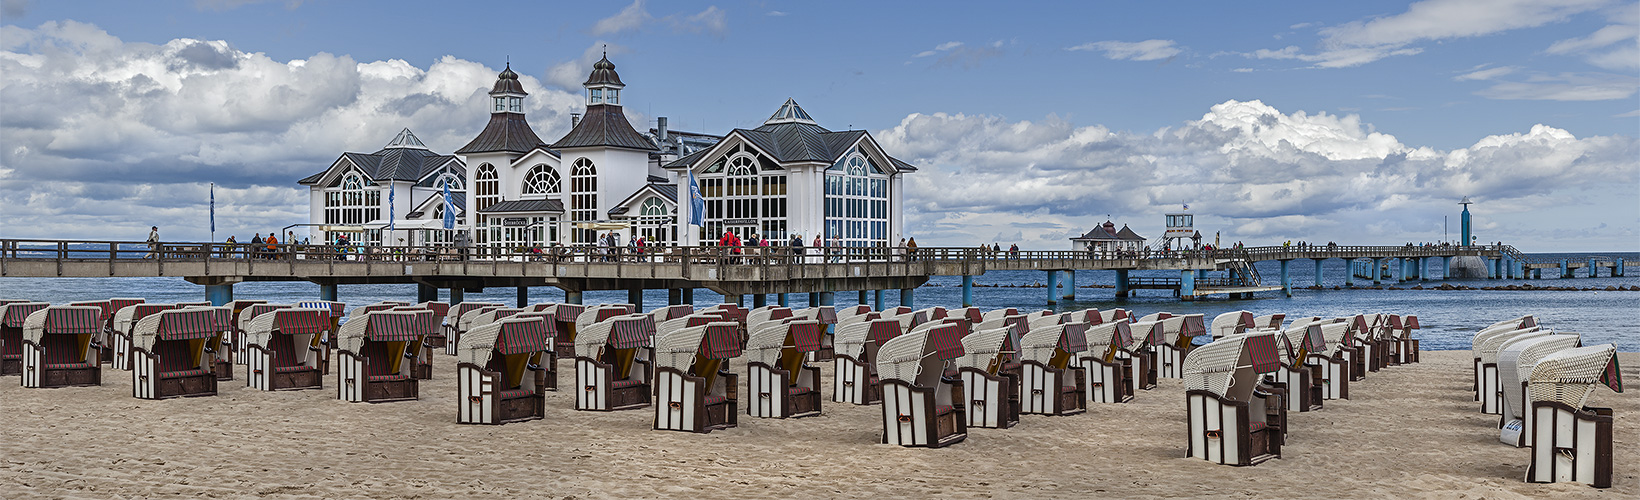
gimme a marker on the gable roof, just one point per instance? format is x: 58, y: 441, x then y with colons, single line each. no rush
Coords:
x: 508, y: 132
x: 605, y: 125
x: 1107, y: 232
x: 457, y: 198
x: 791, y: 136
x: 667, y: 192
x: 404, y: 159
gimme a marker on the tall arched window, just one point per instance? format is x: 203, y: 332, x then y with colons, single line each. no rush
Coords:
x: 857, y: 201
x: 655, y: 222
x: 745, y: 193
x: 489, y: 187
x: 583, y: 202
x: 541, y: 179
x: 352, y: 201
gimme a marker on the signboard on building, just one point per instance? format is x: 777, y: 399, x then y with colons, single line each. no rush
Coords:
x: 515, y: 221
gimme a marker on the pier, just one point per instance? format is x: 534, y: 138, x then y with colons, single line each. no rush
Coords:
x: 733, y: 272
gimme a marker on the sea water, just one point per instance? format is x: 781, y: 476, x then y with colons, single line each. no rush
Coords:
x: 1448, y: 317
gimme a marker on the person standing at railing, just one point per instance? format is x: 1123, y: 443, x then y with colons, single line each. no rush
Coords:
x: 227, y: 247
x: 911, y: 248
x: 153, y: 243
x: 273, y: 246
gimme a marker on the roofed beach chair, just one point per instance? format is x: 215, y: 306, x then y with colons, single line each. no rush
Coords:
x: 993, y: 396
x: 1407, y: 347
x: 1358, y: 349
x: 1269, y: 321
x: 242, y: 322
x: 921, y: 406
x: 780, y: 383
x: 499, y: 372
x: 1515, y: 363
x: 1332, y: 358
x: 1306, y: 388
x: 1142, y: 352
x: 438, y: 340
x: 1508, y: 325
x: 846, y: 312
x: 105, y: 342
x: 694, y: 389
x: 664, y: 313
x: 763, y: 317
x: 57, y: 347
x: 730, y: 312
x: 1491, y: 395
x: 220, y: 345
x: 854, y: 370
x: 1155, y: 316
x: 125, y: 320
x: 12, y: 315
x: 376, y: 355
x: 827, y: 317
x: 169, y: 356
x: 452, y: 323
x: 1572, y: 442
x: 1109, y: 378
x: 996, y: 314
x: 1232, y: 323
x: 281, y: 349
x: 611, y: 370
x: 1049, y: 384
x: 927, y: 314
x: 100, y: 342
x: 1110, y: 315
x: 1233, y: 417
x: 325, y: 340
x: 1178, y: 337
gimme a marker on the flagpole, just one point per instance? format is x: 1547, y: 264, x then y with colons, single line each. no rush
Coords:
x: 213, y: 212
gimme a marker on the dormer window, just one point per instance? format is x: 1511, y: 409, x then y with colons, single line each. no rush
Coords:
x: 595, y: 96
x: 515, y: 104
x: 500, y: 104
x: 614, y: 96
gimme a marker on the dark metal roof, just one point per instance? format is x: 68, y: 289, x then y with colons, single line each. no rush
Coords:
x: 603, y: 73
x: 652, y: 179
x: 524, y: 206
x: 668, y: 191
x: 605, y: 125
x: 1108, y: 231
x: 792, y: 136
x: 391, y: 164
x: 505, y: 132
x: 507, y: 82
x: 1128, y: 234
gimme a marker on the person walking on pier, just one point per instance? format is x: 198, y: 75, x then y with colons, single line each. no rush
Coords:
x: 911, y: 248
x: 153, y: 243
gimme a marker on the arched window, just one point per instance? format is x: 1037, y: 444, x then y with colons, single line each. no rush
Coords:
x: 857, y: 202
x: 352, y: 201
x: 654, y: 207
x: 450, y: 179
x: 489, y: 187
x: 541, y: 179
x: 745, y: 193
x: 583, y: 203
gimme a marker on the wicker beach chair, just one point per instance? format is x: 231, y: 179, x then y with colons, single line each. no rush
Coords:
x: 125, y: 320
x: 997, y: 314
x: 921, y: 406
x: 612, y: 371
x: 12, y: 316
x: 1049, y: 383
x: 1306, y: 389
x: 169, y: 355
x: 1570, y: 441
x: 242, y: 321
x: 1515, y: 362
x: 827, y: 317
x: 993, y: 396
x: 1500, y: 327
x: 846, y: 312
x: 281, y: 352
x: 779, y: 381
x: 1178, y: 337
x: 1407, y: 347
x: 1232, y: 323
x: 1234, y: 418
x: 1110, y: 315
x: 325, y: 341
x: 664, y: 313
x: 1333, y: 359
x: 499, y: 375
x: 854, y: 369
x: 453, y: 326
x: 376, y: 355
x: 763, y: 317
x: 1491, y: 394
x: 220, y: 346
x: 1109, y: 378
x: 439, y: 340
x: 57, y: 347
x: 104, y: 343
x: 694, y: 389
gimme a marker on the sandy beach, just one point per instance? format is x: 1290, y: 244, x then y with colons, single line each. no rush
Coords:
x: 1408, y: 431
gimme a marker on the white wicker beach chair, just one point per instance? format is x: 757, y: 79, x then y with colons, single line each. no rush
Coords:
x: 1109, y: 376
x: 125, y: 320
x: 1178, y: 337
x: 1305, y: 382
x: 1491, y: 393
x: 694, y: 389
x: 922, y: 407
x: 57, y: 347
x: 993, y: 396
x: 612, y: 369
x: 242, y: 320
x: 452, y: 323
x: 281, y: 351
x: 12, y: 316
x: 376, y: 355
x: 499, y: 372
x: 1050, y: 384
x: 1515, y: 362
x: 1232, y: 323
x: 779, y: 382
x: 1232, y: 417
x: 1570, y: 441
x: 168, y: 355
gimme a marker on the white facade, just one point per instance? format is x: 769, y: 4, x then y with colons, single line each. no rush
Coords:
x: 362, y: 195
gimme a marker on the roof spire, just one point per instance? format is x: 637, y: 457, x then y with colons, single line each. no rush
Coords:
x: 790, y: 112
x: 406, y: 139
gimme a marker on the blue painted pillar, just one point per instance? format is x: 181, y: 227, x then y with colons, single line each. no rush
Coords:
x: 877, y: 299
x: 865, y: 297
x: 689, y: 296
x: 967, y: 291
x: 827, y: 299
x: 1286, y: 279
x: 1318, y: 272
x: 1201, y: 274
x: 572, y: 297
x: 1187, y: 285
x: 1121, y: 283
x: 760, y: 300
x: 1446, y: 268
x: 1619, y: 271
x: 634, y: 296
x: 736, y: 299
x: 523, y: 296
x: 814, y: 299
x: 781, y: 299
x: 327, y: 292
x: 1070, y: 286
x: 1594, y: 272
x: 1377, y: 270
x: 908, y: 298
x: 1350, y: 268
x: 1053, y: 287
x: 219, y: 295
x: 1565, y: 269
x: 457, y: 295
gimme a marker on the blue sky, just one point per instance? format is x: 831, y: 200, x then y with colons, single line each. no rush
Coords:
x: 1357, y: 122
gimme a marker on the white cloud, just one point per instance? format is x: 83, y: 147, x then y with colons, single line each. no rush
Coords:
x: 1148, y: 50
x: 630, y: 18
x: 1565, y: 87
x: 569, y: 75
x: 947, y: 46
x: 1487, y: 74
x: 776, y: 13
x: 1255, y: 171
x: 958, y: 54
x: 1597, y: 48
x: 712, y: 21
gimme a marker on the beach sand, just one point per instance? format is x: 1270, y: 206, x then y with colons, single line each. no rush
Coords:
x: 1409, y: 431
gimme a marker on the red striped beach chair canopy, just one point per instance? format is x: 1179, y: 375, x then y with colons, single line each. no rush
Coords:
x: 190, y: 324
x: 524, y: 335
x: 628, y: 333
x: 721, y: 341
x: 300, y: 321
x: 16, y: 312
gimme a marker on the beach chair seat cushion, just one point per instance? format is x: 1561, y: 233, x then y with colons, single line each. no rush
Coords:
x: 293, y: 369
x: 712, y: 400
x: 184, y: 373
x: 515, y: 393
x: 1256, y: 426
x: 621, y: 384
x: 389, y: 378
x: 798, y: 390
x: 943, y: 409
x: 66, y: 366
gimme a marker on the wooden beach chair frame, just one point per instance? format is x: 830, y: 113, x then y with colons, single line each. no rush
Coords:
x: 1572, y: 442
x: 921, y: 406
x: 993, y: 395
x: 1108, y: 378
x: 694, y: 389
x: 1515, y: 363
x: 281, y: 353
x: 1234, y: 417
x: 779, y: 379
x: 499, y: 372
x: 612, y: 372
x: 376, y: 355
x: 12, y: 317
x: 1049, y: 383
x: 169, y: 357
x: 57, y: 348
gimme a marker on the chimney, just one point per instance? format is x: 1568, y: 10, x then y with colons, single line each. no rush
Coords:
x: 660, y: 133
x: 574, y: 119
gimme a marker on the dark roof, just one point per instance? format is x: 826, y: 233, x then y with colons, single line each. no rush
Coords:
x: 604, y: 125
x: 1100, y: 232
x: 656, y: 179
x: 1128, y: 234
x: 507, y: 82
x: 505, y: 132
x: 524, y: 206
x: 791, y: 136
x: 457, y: 198
x: 668, y: 191
x: 398, y: 163
x: 603, y: 72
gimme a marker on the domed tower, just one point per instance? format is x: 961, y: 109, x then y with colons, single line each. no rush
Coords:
x: 607, y: 160
x: 490, y: 156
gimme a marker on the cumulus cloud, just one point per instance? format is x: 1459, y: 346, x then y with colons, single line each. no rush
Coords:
x: 569, y: 75
x: 1250, y: 169
x: 628, y: 19
x: 103, y: 137
x: 14, y: 8
x: 1148, y: 50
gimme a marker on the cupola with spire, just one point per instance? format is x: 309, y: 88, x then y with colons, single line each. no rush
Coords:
x: 508, y: 94
x: 604, y: 84
x: 605, y: 124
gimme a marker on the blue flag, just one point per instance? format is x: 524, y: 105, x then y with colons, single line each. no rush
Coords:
x: 390, y: 207
x: 697, y: 203
x: 449, y: 209
x: 213, y: 207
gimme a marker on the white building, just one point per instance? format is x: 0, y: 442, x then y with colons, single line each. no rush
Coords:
x: 1106, y: 241
x: 788, y: 177
x: 403, y: 181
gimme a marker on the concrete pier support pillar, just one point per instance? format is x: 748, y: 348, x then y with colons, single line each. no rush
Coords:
x: 634, y: 296
x: 780, y: 298
x: 1537, y: 274
x: 1070, y: 286
x: 1121, y: 283
x: 327, y: 292
x: 877, y: 299
x: 828, y: 298
x: 908, y: 298
x: 572, y: 297
x: 736, y: 299
x: 1201, y: 274
x: 426, y: 293
x: 865, y: 296
x: 689, y: 296
x: 1053, y: 287
x: 1377, y: 270
x: 220, y: 295
x: 814, y: 299
x: 759, y: 300
x: 1350, y: 268
x: 1286, y: 279
x: 1594, y: 272
x: 1618, y: 271
x: 967, y: 291
x: 674, y: 296
x: 1318, y: 272
x: 1446, y: 268
x: 457, y: 294
x: 1565, y: 269
x: 1187, y: 285
x: 523, y: 296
